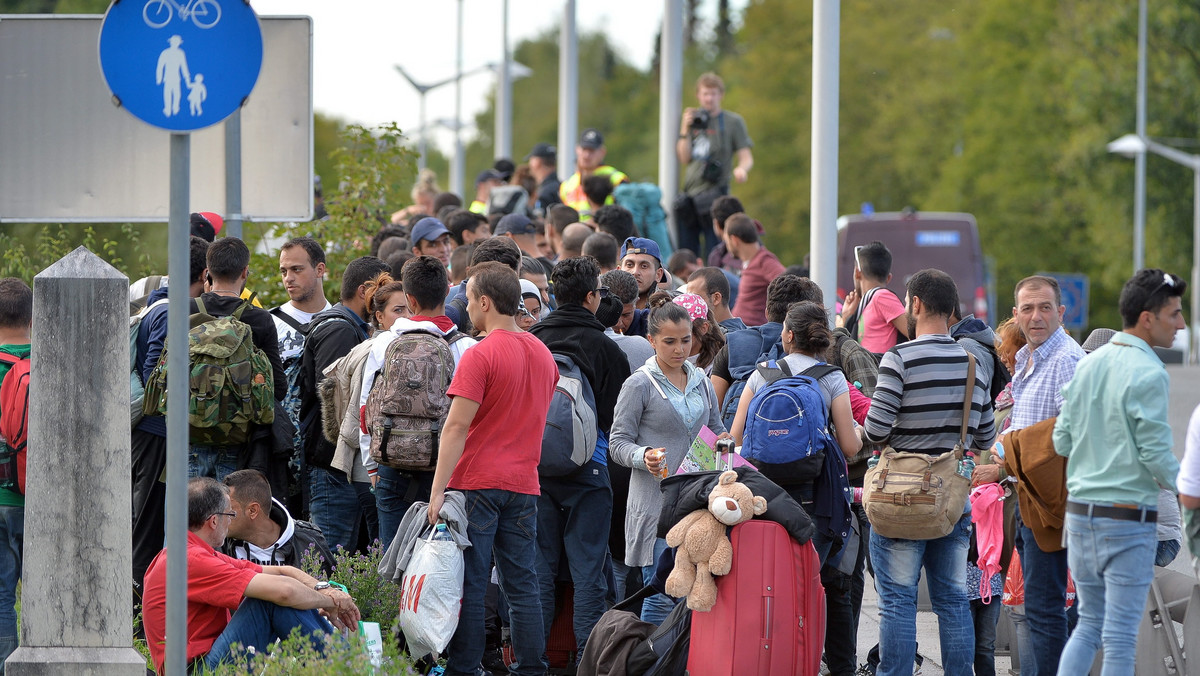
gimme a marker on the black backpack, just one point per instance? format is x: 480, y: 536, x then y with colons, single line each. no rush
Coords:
x: 665, y: 653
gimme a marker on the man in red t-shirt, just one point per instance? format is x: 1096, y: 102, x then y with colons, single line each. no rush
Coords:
x: 270, y: 600
x: 875, y: 314
x: 490, y: 448
x: 759, y: 267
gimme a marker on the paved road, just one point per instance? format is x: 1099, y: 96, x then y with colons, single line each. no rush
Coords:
x: 1185, y: 396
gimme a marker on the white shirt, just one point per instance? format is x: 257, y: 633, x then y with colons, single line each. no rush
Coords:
x: 290, y: 340
x: 1189, y: 470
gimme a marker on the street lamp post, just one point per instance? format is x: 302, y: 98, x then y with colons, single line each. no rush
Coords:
x: 1133, y: 145
x: 422, y: 90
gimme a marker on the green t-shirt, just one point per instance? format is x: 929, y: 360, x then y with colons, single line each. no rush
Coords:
x: 11, y: 498
x: 725, y: 135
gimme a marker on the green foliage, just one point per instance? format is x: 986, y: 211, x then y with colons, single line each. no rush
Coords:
x: 297, y: 655
x: 25, y: 255
x: 378, y: 599
x: 1001, y: 109
x: 372, y: 172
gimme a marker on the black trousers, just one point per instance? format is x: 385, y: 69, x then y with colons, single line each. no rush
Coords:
x: 149, y: 499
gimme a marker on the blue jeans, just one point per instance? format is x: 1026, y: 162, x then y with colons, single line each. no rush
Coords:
x: 1024, y: 646
x: 897, y: 565
x: 1045, y: 601
x: 1166, y: 552
x: 504, y: 525
x: 656, y: 608
x: 259, y: 623
x: 574, y: 514
x: 12, y: 538
x: 396, y: 491
x: 985, y: 617
x: 217, y: 462
x: 1112, y: 562
x: 337, y: 505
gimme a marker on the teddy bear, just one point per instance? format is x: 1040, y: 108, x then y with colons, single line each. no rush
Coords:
x: 704, y: 549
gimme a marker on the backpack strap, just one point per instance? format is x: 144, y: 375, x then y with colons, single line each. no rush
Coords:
x: 970, y: 394
x: 200, y: 306
x: 284, y: 317
x: 819, y: 370
x: 772, y: 370
x: 237, y: 314
x: 10, y: 359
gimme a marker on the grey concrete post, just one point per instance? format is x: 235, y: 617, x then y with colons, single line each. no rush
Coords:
x: 77, y: 596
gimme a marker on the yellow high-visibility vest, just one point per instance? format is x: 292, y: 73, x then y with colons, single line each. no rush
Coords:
x: 571, y: 190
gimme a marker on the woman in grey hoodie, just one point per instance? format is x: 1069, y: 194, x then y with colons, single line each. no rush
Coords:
x: 662, y: 405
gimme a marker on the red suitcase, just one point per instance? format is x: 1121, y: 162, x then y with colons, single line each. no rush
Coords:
x: 769, y: 619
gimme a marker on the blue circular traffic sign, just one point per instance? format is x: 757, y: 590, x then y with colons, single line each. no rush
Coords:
x: 181, y: 65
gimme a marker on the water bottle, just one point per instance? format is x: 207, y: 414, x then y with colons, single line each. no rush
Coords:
x: 873, y: 460
x: 966, y: 466
x: 440, y: 532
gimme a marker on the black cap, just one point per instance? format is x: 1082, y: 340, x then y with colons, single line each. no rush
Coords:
x: 505, y: 168
x: 591, y: 139
x: 544, y: 151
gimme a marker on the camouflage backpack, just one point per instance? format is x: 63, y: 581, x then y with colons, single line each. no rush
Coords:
x: 408, y: 403
x: 229, y: 378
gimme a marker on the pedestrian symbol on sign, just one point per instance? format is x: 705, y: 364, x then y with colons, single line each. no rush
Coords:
x: 152, y: 54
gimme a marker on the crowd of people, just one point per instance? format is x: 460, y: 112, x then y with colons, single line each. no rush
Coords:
x: 494, y: 295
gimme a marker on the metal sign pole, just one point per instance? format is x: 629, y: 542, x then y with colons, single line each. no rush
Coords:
x: 233, y: 175
x: 178, y: 264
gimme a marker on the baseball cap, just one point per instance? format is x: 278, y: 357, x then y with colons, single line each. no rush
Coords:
x: 505, y: 168
x: 488, y: 175
x: 1097, y: 338
x: 641, y: 245
x: 591, y: 139
x: 206, y: 224
x: 428, y: 228
x: 516, y: 224
x: 544, y: 151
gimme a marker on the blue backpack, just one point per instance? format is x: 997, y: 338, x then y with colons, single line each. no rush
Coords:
x: 747, y: 348
x: 787, y: 425
x: 644, y: 201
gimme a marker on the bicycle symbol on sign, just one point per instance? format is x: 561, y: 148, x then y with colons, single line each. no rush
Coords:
x: 203, y: 13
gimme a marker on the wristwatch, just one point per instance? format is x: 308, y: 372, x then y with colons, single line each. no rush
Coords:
x: 321, y: 586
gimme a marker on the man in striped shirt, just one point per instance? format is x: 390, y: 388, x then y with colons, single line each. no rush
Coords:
x: 917, y: 407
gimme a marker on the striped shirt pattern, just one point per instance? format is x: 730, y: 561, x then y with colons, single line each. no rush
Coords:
x: 917, y: 405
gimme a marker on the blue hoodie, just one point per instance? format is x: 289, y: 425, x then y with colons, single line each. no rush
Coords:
x: 152, y: 332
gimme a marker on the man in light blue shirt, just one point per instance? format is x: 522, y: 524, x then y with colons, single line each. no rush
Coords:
x: 1114, y: 433
x: 1043, y: 367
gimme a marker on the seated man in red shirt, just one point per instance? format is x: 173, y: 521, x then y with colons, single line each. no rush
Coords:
x: 490, y: 447
x: 269, y: 600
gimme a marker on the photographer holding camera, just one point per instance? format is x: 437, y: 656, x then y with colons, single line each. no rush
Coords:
x: 709, y: 139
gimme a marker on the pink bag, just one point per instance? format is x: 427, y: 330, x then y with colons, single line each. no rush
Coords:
x: 987, y: 513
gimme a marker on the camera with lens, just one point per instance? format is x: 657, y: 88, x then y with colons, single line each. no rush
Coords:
x: 700, y: 119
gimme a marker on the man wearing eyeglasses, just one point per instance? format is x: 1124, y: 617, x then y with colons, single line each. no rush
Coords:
x: 233, y: 601
x: 1113, y: 430
x: 575, y: 511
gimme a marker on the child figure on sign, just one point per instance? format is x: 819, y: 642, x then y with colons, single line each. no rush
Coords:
x: 197, y: 92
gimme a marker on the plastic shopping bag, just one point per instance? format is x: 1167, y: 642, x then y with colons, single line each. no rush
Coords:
x: 372, y: 641
x: 431, y: 595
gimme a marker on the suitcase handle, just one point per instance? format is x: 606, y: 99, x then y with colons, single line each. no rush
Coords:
x: 766, y: 611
